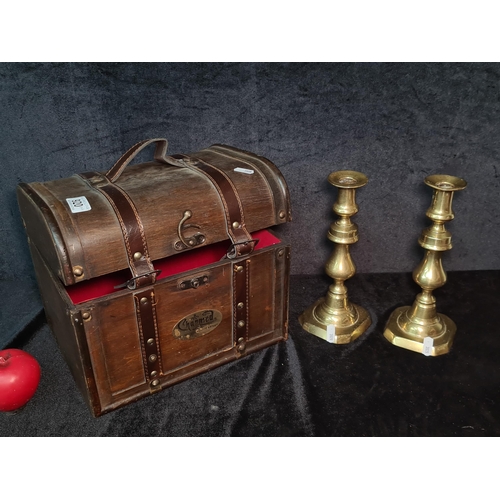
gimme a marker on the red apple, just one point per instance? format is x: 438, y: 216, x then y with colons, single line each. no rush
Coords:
x: 19, y: 378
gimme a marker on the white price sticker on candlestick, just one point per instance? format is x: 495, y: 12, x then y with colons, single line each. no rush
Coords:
x: 330, y: 334
x: 428, y: 345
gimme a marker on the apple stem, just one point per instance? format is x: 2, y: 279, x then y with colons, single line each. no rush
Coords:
x: 3, y: 359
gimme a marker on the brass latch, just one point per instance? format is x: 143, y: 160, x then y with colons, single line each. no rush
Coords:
x: 194, y: 282
x: 189, y: 241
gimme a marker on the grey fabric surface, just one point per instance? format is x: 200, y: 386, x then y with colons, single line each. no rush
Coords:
x: 396, y: 123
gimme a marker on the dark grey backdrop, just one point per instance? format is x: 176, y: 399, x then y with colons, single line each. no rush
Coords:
x: 396, y: 123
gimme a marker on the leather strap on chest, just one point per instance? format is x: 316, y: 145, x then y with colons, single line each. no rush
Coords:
x: 241, y: 297
x: 141, y: 267
x: 139, y: 261
x: 147, y: 323
x: 143, y: 273
x: 242, y: 243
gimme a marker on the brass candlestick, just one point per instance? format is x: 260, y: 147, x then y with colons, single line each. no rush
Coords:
x: 334, y: 318
x: 420, y: 328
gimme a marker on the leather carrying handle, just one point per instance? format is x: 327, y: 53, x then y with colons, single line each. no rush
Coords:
x: 161, y: 149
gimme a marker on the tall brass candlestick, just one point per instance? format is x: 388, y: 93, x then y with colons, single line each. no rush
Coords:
x: 334, y: 318
x: 419, y: 327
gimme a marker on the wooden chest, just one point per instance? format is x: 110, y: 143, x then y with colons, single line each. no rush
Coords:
x: 155, y: 272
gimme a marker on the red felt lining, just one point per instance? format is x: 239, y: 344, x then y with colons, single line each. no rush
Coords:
x: 104, y: 285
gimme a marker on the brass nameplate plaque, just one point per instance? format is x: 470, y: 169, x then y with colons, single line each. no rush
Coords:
x: 197, y: 324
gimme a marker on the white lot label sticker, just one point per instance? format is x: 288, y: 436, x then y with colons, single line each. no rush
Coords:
x: 330, y: 334
x: 79, y: 204
x: 428, y: 344
x: 244, y: 170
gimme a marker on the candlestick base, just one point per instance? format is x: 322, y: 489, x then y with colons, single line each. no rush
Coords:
x: 345, y: 325
x: 411, y: 334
